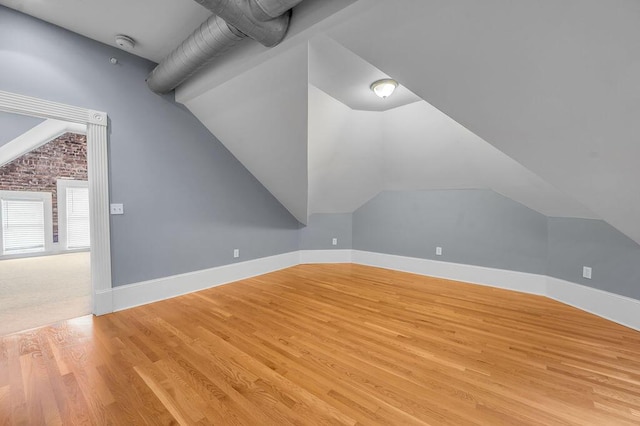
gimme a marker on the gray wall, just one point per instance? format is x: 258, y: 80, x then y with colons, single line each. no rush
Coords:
x: 188, y: 201
x: 614, y: 258
x: 475, y: 227
x: 322, y: 228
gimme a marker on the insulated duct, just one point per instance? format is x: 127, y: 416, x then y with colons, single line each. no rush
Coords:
x: 265, y: 21
x: 212, y: 39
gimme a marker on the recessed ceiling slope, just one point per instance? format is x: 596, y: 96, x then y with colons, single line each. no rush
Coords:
x: 346, y: 77
x: 353, y: 155
x: 554, y: 85
x: 261, y: 117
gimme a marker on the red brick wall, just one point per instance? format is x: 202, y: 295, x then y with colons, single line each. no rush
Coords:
x: 39, y: 170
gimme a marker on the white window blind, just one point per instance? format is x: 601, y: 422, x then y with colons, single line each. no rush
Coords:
x: 23, y: 226
x: 77, y: 217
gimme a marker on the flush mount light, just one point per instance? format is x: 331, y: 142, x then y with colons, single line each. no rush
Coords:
x: 125, y: 42
x: 384, y: 88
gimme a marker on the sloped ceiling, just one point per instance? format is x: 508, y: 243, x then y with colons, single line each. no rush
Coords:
x: 261, y: 117
x: 317, y: 154
x: 552, y: 86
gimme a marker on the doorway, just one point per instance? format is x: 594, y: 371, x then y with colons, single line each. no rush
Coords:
x: 94, y: 125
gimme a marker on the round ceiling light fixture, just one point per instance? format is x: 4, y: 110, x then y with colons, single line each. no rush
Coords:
x: 125, y: 42
x: 384, y: 88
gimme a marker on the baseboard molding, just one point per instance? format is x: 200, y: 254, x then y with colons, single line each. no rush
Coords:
x: 102, y: 302
x: 614, y: 307
x: 326, y: 256
x: 132, y: 295
x: 501, y: 278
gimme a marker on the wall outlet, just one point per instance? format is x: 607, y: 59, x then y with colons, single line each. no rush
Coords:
x: 586, y: 272
x: 236, y: 253
x: 117, y: 209
x: 438, y: 251
x: 334, y: 242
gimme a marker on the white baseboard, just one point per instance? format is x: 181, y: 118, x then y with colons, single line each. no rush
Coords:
x: 501, y: 278
x: 616, y: 308
x: 102, y: 302
x: 325, y: 256
x: 131, y: 295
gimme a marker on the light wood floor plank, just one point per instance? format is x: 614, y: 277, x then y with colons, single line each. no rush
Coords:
x: 328, y: 344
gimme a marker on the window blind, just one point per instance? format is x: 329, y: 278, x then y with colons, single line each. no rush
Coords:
x: 23, y: 226
x: 77, y: 218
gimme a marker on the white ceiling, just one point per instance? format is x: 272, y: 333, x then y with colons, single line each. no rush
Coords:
x: 261, y: 117
x: 344, y: 76
x: 158, y: 26
x: 353, y: 155
x: 552, y: 85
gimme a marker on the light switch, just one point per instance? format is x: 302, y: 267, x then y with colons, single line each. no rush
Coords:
x: 586, y: 272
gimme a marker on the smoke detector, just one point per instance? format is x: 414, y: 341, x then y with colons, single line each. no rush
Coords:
x: 125, y: 42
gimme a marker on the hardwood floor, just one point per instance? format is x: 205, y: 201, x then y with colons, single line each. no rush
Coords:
x: 328, y: 344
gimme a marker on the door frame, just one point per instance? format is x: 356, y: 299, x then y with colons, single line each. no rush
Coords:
x: 98, y: 170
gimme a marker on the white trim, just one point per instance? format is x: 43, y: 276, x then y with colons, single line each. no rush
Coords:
x: 619, y: 309
x: 325, y: 256
x: 131, y: 295
x: 37, y: 136
x: 614, y: 307
x: 500, y: 278
x: 97, y: 162
x: 46, y: 199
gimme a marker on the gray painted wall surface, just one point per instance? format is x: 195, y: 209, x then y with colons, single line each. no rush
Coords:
x: 613, y: 257
x: 188, y: 201
x: 475, y: 227
x: 14, y: 125
x: 322, y: 228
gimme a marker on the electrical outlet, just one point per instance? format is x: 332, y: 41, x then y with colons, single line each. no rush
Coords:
x: 586, y: 272
x: 117, y: 209
x: 334, y: 241
x: 236, y: 253
x: 438, y: 251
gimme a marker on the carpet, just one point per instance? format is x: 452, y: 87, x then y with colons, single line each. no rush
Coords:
x: 43, y: 290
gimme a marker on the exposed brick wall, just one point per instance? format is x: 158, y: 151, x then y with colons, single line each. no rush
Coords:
x: 40, y: 169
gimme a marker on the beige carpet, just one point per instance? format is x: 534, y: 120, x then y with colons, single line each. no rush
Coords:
x: 38, y: 291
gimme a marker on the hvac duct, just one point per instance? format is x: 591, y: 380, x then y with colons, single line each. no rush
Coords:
x: 264, y: 10
x: 238, y: 13
x: 265, y: 21
x: 212, y: 39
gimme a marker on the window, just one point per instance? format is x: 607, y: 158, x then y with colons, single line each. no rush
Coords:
x: 77, y: 217
x: 73, y: 214
x: 26, y: 222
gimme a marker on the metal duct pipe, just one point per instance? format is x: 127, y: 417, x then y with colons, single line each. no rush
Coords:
x: 212, y: 39
x: 239, y: 14
x: 264, y: 10
x: 234, y: 20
